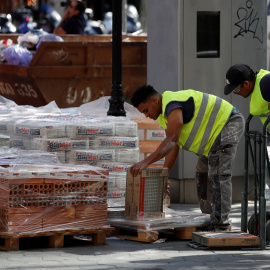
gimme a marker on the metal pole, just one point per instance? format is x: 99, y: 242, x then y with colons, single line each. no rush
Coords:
x: 116, y: 100
x: 244, y: 205
x: 262, y: 188
x: 124, y: 17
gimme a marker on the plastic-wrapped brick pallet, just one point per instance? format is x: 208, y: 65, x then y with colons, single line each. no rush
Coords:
x: 47, y: 198
x: 112, y: 139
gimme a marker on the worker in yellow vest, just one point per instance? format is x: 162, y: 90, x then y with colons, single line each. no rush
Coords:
x: 201, y: 123
x: 243, y: 81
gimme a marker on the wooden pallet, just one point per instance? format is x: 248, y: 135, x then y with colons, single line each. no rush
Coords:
x: 175, y: 225
x: 226, y: 239
x: 142, y: 235
x: 11, y: 241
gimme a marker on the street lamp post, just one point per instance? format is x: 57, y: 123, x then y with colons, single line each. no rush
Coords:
x: 116, y: 100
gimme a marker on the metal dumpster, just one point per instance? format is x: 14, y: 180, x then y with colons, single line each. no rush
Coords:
x: 74, y: 72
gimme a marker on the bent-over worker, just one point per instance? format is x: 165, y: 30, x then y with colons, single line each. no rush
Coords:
x: 201, y: 123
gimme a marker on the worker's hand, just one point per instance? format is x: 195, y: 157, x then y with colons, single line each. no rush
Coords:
x: 66, y: 14
x: 137, y: 168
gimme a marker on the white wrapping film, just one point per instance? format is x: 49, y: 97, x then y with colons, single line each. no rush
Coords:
x: 101, y: 106
x: 89, y: 156
x: 61, y: 155
x: 119, y: 178
x: 18, y: 156
x: 51, y: 145
x: 114, y: 166
x: 57, y: 171
x: 113, y: 142
x: 21, y: 142
x: 116, y: 197
x: 4, y: 140
x: 127, y: 155
x: 111, y: 183
x: 76, y: 131
x: 4, y: 126
x: 38, y: 128
x: 126, y: 129
x: 7, y: 123
x: 55, y: 131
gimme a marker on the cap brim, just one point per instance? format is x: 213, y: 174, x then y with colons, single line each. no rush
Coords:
x: 229, y: 88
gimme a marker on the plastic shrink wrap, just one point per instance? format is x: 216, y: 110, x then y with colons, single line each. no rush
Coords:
x: 150, y: 227
x: 15, y: 156
x: 111, y: 139
x: 4, y: 140
x: 52, y: 197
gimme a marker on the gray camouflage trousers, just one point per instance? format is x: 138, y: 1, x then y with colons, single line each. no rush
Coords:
x: 214, y: 173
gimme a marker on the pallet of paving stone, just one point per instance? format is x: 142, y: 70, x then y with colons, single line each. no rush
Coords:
x: 53, y: 239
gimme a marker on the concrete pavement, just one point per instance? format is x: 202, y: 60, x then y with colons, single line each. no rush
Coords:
x: 124, y: 254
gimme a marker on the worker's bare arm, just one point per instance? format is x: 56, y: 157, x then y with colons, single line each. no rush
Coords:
x: 174, y: 127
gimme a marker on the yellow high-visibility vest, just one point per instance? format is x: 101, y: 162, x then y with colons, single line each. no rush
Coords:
x: 210, y: 115
x: 258, y: 105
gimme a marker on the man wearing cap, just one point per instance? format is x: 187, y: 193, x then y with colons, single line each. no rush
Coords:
x: 243, y: 81
x: 201, y: 123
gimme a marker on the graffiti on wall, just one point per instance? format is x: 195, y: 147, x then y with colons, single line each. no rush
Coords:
x: 249, y: 22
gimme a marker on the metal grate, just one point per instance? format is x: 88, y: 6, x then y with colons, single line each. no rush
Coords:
x: 153, y: 195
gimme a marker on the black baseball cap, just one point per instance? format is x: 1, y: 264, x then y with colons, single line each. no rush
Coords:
x: 236, y: 75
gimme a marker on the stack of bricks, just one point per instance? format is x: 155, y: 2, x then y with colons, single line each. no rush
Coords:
x: 150, y: 134
x: 55, y: 198
x: 106, y: 142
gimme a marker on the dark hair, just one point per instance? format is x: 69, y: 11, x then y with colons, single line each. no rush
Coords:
x: 142, y: 94
x: 80, y: 6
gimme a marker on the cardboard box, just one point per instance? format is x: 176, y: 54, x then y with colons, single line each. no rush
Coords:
x: 146, y: 194
x: 226, y: 239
